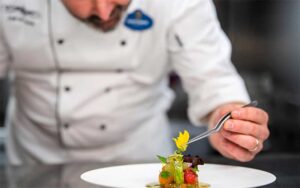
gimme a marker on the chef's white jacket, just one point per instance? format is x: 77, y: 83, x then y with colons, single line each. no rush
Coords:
x: 80, y: 94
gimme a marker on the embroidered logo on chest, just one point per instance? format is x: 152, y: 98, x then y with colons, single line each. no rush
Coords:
x: 16, y: 13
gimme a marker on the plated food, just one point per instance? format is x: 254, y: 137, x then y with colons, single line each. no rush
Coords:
x: 178, y: 170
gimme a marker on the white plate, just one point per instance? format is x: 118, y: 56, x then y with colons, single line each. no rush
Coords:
x: 138, y: 175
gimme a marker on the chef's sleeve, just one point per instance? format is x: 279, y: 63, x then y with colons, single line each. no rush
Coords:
x: 200, y: 53
x: 4, y: 54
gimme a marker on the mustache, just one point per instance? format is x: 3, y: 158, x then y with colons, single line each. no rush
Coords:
x: 115, y: 15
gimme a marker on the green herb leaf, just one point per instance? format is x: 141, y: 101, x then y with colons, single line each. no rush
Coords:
x: 162, y: 159
x: 165, y: 174
x: 195, y: 169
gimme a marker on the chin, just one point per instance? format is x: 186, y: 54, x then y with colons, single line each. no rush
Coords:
x: 106, y: 26
x: 107, y: 29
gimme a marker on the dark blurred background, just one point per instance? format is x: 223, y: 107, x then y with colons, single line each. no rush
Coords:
x: 265, y: 36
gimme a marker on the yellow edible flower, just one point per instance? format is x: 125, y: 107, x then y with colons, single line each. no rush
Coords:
x: 182, y: 140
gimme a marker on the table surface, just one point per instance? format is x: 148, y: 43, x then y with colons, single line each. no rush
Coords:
x: 286, y: 167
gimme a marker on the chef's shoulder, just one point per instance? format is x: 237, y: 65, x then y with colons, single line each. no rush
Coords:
x: 178, y: 8
x: 176, y: 3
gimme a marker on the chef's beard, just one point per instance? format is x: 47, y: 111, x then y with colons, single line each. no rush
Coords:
x: 109, y: 25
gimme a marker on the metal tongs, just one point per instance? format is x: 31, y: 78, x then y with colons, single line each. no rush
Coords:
x: 219, y: 125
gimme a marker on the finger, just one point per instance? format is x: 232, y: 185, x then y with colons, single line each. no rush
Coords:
x: 229, y: 149
x: 245, y: 141
x: 257, y: 148
x: 217, y: 141
x: 236, y: 152
x: 253, y: 114
x: 247, y: 128
x: 222, y: 148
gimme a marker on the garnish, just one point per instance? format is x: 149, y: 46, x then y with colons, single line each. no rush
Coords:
x: 165, y: 174
x: 162, y: 159
x: 182, y: 140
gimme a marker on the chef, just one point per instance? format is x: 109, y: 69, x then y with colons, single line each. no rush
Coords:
x: 90, y: 79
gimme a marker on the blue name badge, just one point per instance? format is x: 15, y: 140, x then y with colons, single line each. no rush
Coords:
x: 138, y: 21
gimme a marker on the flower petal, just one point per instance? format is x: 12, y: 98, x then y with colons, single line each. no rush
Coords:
x: 182, y: 140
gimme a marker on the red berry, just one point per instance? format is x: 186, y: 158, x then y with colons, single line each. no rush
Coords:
x: 190, y: 177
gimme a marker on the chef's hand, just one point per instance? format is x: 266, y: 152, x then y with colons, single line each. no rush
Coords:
x: 243, y: 135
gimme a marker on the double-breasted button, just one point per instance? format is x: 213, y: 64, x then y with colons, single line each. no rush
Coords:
x: 119, y: 70
x: 107, y: 90
x: 67, y: 88
x: 60, y: 41
x: 102, y: 127
x: 123, y: 43
x: 66, y: 125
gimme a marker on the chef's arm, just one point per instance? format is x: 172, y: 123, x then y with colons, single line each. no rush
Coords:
x: 201, y: 55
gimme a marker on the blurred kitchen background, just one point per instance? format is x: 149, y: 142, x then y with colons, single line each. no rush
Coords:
x: 265, y: 36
